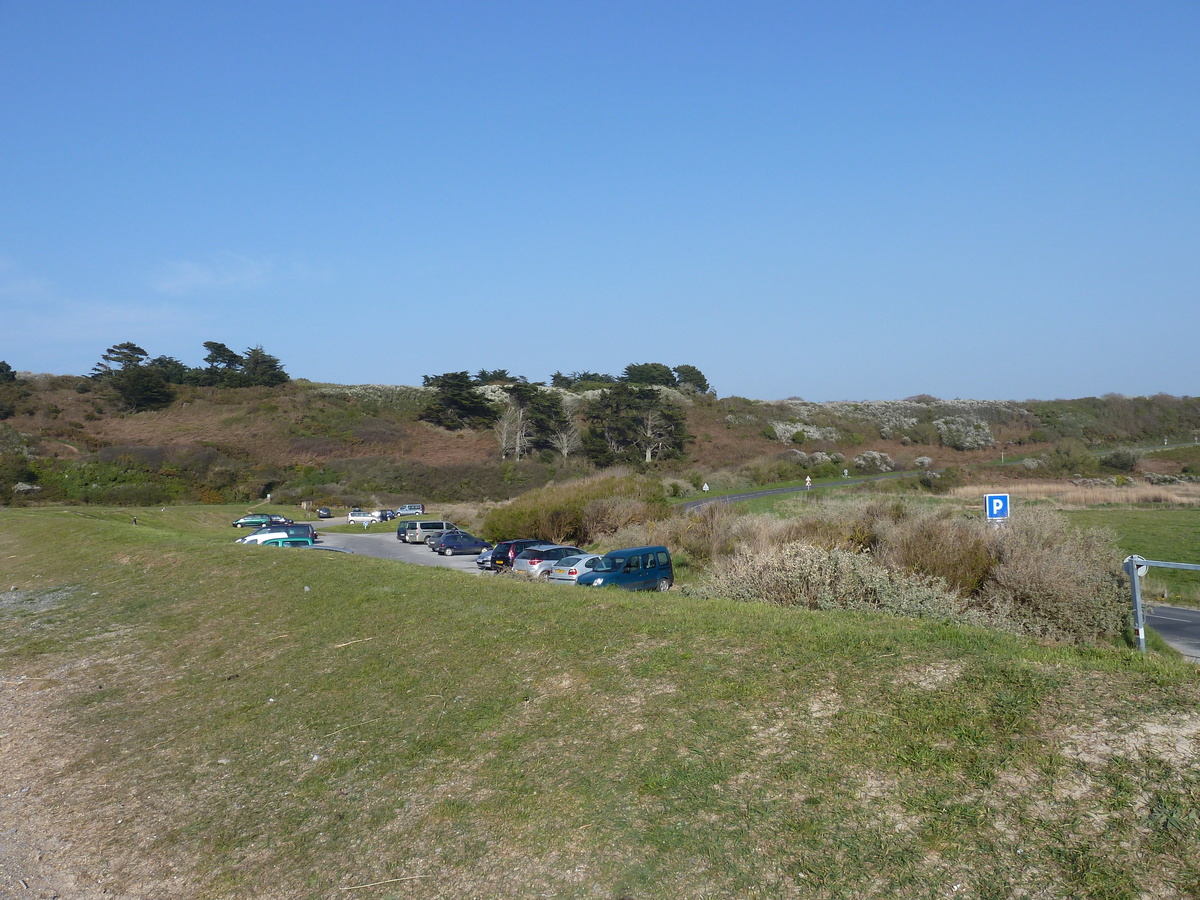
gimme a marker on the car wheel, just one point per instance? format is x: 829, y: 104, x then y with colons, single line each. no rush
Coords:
x: 448, y: 552
x: 663, y: 584
x: 545, y: 576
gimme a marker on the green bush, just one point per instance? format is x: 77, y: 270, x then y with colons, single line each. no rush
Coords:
x: 1122, y: 460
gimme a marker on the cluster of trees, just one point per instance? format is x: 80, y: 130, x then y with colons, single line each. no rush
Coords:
x: 145, y: 383
x: 626, y: 422
x: 686, y: 378
x: 682, y: 377
x: 9, y: 390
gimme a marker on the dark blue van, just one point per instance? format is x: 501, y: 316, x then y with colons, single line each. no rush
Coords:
x: 634, y: 569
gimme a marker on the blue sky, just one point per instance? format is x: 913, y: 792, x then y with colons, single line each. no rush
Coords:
x: 826, y: 200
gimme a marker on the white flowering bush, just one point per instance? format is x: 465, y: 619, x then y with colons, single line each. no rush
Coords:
x: 923, y: 462
x: 404, y: 398
x: 873, y: 461
x: 964, y: 433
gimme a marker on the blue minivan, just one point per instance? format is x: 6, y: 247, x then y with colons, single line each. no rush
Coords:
x: 634, y: 569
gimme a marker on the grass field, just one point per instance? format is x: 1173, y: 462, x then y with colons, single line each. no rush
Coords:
x: 1169, y: 535
x: 186, y: 717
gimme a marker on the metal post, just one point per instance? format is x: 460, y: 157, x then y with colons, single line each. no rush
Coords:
x: 1135, y: 581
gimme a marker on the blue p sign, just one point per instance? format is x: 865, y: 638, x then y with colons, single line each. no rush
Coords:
x: 996, y: 505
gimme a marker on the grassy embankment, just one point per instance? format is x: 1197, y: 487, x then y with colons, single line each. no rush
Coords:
x: 233, y: 721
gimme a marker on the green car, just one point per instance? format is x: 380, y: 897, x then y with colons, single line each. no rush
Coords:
x: 254, y: 520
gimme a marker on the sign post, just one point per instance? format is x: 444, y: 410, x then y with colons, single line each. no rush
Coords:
x: 996, y: 507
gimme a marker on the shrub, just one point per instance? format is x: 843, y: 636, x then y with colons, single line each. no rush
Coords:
x: 1053, y: 580
x: 1122, y: 460
x: 942, y: 546
x: 815, y: 578
x: 873, y: 461
x: 579, y: 511
x: 1036, y: 575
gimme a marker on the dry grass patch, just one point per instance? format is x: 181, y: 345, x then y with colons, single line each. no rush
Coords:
x: 1065, y: 495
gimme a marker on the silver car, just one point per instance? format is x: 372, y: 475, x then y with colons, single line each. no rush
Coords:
x: 536, y: 562
x: 568, y: 569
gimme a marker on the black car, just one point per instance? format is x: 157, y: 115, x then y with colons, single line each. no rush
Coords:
x: 458, y: 542
x: 324, y: 513
x: 505, y: 552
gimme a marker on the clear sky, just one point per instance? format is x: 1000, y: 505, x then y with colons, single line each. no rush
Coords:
x: 833, y: 200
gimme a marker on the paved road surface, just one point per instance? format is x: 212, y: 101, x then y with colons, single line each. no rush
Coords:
x: 385, y: 546
x: 1179, y: 627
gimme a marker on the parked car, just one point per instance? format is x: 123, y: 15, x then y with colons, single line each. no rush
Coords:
x: 568, y: 569
x: 253, y: 520
x: 385, y: 515
x: 362, y: 518
x: 634, y: 569
x: 282, y: 520
x: 271, y: 532
x: 402, y: 529
x: 453, y: 542
x: 425, y: 530
x: 505, y: 552
x: 536, y: 562
x: 484, y: 559
x: 324, y: 513
x: 287, y: 542
x: 411, y: 509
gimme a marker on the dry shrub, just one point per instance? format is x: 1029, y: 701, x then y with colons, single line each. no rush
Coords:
x: 608, y: 515
x: 799, y: 575
x: 944, y: 545
x: 1036, y: 575
x: 707, y: 532
x: 1055, y: 580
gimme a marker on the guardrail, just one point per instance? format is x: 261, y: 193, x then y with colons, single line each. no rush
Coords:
x: 1135, y: 568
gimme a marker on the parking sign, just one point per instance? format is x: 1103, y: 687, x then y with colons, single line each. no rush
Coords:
x: 996, y: 506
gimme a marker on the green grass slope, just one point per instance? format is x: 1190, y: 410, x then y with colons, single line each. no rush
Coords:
x: 186, y: 717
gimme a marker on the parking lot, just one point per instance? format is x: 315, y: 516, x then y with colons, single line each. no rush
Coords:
x: 385, y: 546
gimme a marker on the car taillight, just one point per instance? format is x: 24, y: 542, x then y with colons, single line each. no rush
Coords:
x: 572, y: 571
x: 535, y: 562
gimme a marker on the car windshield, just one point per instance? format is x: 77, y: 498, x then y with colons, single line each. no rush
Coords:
x: 610, y: 564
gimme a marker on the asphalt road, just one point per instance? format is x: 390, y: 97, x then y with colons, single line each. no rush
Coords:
x: 1179, y: 627
x: 384, y: 545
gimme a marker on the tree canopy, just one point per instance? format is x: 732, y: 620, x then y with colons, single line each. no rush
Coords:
x: 458, y: 403
x: 144, y: 383
x: 633, y: 423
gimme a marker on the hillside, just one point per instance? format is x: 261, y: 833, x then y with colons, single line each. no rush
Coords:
x: 66, y: 438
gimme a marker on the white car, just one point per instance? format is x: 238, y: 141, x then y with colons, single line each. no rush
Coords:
x: 358, y: 517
